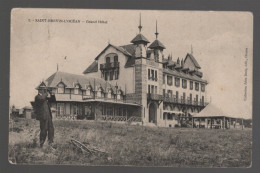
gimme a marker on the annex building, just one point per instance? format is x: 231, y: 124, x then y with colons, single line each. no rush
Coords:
x: 135, y: 82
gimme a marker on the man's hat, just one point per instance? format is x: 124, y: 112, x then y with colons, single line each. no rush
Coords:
x: 42, y: 88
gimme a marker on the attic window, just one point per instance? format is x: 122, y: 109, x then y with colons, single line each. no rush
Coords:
x: 107, y: 59
x: 61, y: 88
x: 76, y: 89
x: 115, y: 58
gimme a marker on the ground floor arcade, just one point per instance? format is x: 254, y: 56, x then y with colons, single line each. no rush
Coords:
x: 96, y: 110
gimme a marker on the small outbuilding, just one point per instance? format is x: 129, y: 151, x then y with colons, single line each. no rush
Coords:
x: 27, y: 112
x: 214, y: 118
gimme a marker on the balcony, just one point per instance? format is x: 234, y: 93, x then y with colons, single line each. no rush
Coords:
x: 157, y: 97
x: 107, y: 66
x: 184, y: 101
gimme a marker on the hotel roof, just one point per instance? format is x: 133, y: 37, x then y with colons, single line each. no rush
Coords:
x: 71, y: 79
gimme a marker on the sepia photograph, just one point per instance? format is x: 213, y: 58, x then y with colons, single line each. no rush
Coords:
x: 140, y: 88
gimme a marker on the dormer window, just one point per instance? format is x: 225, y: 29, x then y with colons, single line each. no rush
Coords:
x: 119, y: 94
x: 88, y: 90
x: 109, y: 94
x: 99, y: 92
x: 61, y: 88
x: 76, y: 89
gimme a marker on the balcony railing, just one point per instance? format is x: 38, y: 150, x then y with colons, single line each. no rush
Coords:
x: 184, y: 101
x: 109, y: 65
x: 157, y: 97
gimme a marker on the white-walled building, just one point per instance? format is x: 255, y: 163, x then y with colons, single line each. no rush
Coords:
x: 135, y: 81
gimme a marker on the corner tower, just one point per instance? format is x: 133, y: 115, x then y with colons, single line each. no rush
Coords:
x: 157, y: 48
x: 140, y: 42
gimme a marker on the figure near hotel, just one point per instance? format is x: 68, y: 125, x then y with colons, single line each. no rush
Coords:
x: 43, y: 114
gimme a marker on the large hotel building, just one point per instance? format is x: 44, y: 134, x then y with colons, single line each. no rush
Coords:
x: 135, y: 83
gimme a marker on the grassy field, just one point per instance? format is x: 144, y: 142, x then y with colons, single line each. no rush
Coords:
x: 130, y: 145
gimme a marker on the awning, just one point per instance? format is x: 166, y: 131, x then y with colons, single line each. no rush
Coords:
x: 175, y: 112
x: 111, y: 101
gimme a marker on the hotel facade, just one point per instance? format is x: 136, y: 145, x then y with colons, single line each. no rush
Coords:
x: 134, y: 83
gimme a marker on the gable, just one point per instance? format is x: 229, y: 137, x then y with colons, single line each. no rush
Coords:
x: 112, y: 52
x: 191, y: 63
x: 120, y: 49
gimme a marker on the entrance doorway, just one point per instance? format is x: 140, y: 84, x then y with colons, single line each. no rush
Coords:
x: 152, y: 113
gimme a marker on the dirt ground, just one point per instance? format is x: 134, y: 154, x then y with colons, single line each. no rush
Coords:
x: 126, y: 144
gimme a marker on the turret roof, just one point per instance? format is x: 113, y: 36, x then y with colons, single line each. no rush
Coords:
x: 157, y: 44
x: 140, y: 38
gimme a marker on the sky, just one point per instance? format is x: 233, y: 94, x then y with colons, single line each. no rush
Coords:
x: 222, y: 43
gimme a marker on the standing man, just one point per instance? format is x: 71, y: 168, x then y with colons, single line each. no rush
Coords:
x: 43, y: 114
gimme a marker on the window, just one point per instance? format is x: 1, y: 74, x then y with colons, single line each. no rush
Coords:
x: 155, y: 76
x: 184, y: 83
x: 107, y: 59
x: 163, y: 78
x: 155, y: 89
x: 170, y: 93
x: 164, y: 92
x: 87, y: 109
x: 184, y: 96
x: 111, y: 75
x: 196, y: 86
x: 177, y: 95
x: 152, y: 89
x: 177, y: 81
x: 88, y: 92
x: 61, y: 88
x: 60, y: 108
x: 152, y: 71
x: 149, y: 91
x: 191, y: 85
x: 104, y: 110
x: 149, y: 74
x: 115, y: 58
x: 106, y: 75
x: 202, y: 87
x: 170, y: 116
x: 76, y: 89
x: 169, y: 80
x: 116, y: 74
x: 109, y: 110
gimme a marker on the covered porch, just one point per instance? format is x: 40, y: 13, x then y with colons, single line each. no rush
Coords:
x: 96, y: 110
x: 214, y: 118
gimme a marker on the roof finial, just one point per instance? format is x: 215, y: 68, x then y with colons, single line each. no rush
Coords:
x: 191, y: 49
x: 140, y: 25
x: 156, y: 34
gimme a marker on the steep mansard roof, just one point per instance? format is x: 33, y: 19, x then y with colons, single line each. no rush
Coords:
x: 71, y: 79
x: 184, y: 75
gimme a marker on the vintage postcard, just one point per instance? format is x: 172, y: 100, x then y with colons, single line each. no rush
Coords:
x: 131, y: 88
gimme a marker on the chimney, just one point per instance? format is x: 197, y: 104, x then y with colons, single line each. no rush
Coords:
x: 178, y: 61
